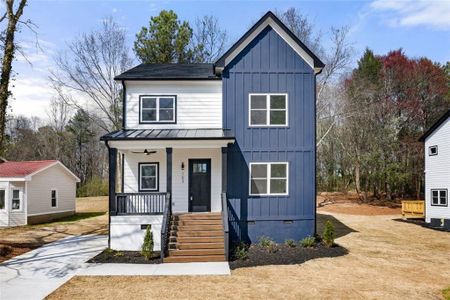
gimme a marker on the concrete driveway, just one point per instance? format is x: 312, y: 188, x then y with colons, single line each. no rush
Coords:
x: 37, y: 273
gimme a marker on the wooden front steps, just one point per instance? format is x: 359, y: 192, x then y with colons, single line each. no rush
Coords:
x: 196, y: 237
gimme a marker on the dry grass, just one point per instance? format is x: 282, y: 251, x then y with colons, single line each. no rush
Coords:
x: 25, y: 238
x: 387, y: 259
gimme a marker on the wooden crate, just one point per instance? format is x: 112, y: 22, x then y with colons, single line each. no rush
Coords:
x: 413, y: 209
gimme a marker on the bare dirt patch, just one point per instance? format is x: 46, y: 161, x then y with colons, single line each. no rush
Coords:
x: 386, y: 260
x: 91, y: 218
x: 359, y: 209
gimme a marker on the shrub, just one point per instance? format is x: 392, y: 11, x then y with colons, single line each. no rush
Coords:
x: 328, y: 234
x: 241, y: 251
x: 290, y: 243
x: 96, y: 186
x: 308, y: 242
x: 147, y: 246
x: 268, y: 243
x: 119, y: 254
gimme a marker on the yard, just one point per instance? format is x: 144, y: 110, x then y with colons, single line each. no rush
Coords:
x: 387, y: 259
x: 90, y: 218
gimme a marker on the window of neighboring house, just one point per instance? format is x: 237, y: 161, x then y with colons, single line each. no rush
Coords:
x: 433, y: 150
x: 439, y: 197
x: 148, y: 176
x: 269, y: 178
x: 2, y: 199
x: 53, y: 197
x: 15, y: 199
x: 157, y: 109
x: 268, y: 110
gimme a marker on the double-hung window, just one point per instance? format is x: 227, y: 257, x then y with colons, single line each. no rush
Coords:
x: 15, y: 201
x: 268, y: 110
x: 157, y: 109
x: 439, y: 197
x: 269, y: 178
x: 2, y: 199
x: 148, y: 177
x: 53, y: 197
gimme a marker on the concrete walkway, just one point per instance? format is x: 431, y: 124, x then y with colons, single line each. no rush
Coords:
x: 37, y: 273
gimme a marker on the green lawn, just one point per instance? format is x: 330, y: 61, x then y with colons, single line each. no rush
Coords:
x: 446, y: 293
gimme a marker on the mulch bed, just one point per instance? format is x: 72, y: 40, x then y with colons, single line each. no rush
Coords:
x: 421, y: 222
x: 285, y: 255
x: 124, y: 257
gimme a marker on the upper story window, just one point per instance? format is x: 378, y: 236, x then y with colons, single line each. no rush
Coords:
x: 157, y: 109
x: 439, y: 197
x: 268, y: 110
x: 433, y: 150
x: 269, y: 178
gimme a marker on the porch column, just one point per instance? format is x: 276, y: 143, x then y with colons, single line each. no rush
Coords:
x: 112, y: 155
x: 224, y: 168
x: 169, y: 171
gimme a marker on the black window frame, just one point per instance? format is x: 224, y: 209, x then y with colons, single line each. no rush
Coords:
x: 157, y: 177
x: 51, y: 198
x: 439, y: 197
x: 429, y: 150
x: 141, y: 121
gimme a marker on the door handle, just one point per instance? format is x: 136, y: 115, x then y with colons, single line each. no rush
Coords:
x: 191, y: 198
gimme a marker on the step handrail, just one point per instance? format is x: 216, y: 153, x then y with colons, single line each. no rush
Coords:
x: 226, y: 230
x: 166, y: 225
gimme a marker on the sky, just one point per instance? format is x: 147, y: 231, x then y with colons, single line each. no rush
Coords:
x: 421, y: 28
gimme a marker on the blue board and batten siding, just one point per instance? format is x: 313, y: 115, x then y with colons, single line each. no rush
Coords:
x: 269, y: 65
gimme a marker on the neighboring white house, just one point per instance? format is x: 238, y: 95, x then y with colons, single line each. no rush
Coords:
x: 35, y: 191
x: 437, y: 172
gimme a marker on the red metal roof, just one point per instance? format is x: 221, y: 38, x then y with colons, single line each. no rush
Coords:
x: 23, y: 168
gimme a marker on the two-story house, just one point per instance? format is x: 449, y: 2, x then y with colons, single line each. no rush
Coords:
x: 221, y: 152
x: 437, y: 172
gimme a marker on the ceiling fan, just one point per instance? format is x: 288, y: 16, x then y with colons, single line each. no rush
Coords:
x: 146, y: 152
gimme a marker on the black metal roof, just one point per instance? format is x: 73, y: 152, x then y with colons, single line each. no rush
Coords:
x: 170, y: 72
x: 317, y: 62
x: 168, y: 134
x: 435, y: 126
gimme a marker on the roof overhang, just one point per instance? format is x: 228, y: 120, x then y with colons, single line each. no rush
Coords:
x: 163, y: 144
x: 435, y: 126
x: 269, y: 19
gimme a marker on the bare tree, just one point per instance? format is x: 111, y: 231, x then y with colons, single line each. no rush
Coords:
x: 87, y: 70
x: 58, y: 114
x: 209, y: 40
x: 12, y: 15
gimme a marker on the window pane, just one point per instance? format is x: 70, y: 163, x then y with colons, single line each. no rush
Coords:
x: 258, y: 117
x: 166, y: 114
x: 278, y: 170
x: 435, y: 193
x: 15, y: 204
x: 149, y: 115
x: 148, y: 171
x: 148, y: 183
x: 53, y: 194
x: 165, y: 102
x: 16, y: 194
x: 259, y: 171
x: 2, y: 199
x: 278, y: 101
x: 259, y: 186
x: 258, y: 102
x: 278, y: 186
x: 278, y: 117
x: 149, y: 103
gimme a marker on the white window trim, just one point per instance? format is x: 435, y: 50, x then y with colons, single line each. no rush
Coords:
x: 56, y: 195
x: 268, y: 109
x: 157, y: 97
x: 20, y: 199
x: 4, y: 199
x: 268, y: 178
x: 429, y: 150
x: 140, y: 188
x: 439, y: 197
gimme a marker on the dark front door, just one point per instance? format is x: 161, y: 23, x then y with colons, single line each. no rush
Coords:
x: 199, y: 185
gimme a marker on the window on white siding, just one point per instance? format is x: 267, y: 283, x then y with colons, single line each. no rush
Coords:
x: 157, y: 109
x: 53, y: 198
x: 433, y: 150
x: 148, y: 176
x: 269, y: 178
x: 15, y: 200
x: 268, y: 110
x: 2, y: 199
x: 439, y: 197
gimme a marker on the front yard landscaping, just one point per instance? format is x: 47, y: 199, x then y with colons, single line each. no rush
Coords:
x: 125, y: 257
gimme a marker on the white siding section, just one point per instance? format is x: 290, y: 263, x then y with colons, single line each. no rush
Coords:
x: 180, y: 186
x: 15, y: 217
x: 39, y: 191
x: 199, y: 103
x: 437, y: 170
x: 127, y: 235
x: 4, y: 216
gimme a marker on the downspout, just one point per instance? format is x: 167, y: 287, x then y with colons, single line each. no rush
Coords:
x: 124, y: 104
x: 109, y: 208
x: 315, y: 154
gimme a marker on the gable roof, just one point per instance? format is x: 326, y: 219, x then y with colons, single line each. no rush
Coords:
x: 170, y: 72
x: 435, y: 126
x: 269, y: 19
x: 26, y: 169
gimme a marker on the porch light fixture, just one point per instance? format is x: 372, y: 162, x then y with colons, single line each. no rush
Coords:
x: 182, y: 166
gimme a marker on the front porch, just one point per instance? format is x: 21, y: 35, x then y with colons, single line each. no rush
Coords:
x: 151, y: 180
